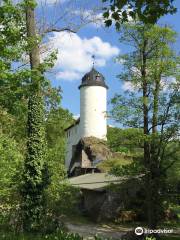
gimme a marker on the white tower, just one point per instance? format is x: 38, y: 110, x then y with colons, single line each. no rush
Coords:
x: 93, y: 120
x: 93, y: 97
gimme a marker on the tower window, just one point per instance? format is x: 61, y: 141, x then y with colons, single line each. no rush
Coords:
x: 68, y: 133
x: 98, y: 77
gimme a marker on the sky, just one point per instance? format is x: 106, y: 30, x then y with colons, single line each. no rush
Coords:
x: 75, y: 52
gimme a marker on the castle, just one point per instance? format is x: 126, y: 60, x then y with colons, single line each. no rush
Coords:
x: 92, y: 122
x: 87, y: 149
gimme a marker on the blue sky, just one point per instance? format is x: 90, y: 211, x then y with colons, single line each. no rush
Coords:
x: 92, y: 39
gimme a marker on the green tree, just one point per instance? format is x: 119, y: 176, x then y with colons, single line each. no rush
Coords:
x: 27, y: 96
x: 152, y: 104
x: 146, y: 11
x: 11, y: 159
x: 12, y: 46
x: 36, y: 175
x: 125, y: 140
x: 57, y: 121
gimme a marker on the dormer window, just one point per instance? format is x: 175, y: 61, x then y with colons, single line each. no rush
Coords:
x: 98, y: 77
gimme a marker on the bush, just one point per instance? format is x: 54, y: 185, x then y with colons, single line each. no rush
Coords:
x: 58, y: 236
x: 66, y: 199
x: 11, y: 158
x: 64, y: 236
x: 10, y: 165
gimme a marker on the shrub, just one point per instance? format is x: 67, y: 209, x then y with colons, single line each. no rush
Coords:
x: 64, y: 236
x: 65, y: 201
x: 10, y: 165
x: 11, y: 158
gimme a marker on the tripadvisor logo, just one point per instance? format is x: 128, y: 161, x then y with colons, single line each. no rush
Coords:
x: 140, y: 231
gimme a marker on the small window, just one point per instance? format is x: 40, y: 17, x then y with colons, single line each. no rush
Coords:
x: 68, y: 133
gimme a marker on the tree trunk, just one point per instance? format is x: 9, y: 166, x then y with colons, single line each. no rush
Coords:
x: 31, y: 34
x: 154, y: 167
x: 155, y: 105
x: 147, y: 158
x: 32, y: 190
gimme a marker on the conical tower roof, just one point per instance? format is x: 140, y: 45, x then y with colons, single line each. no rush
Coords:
x: 93, y: 78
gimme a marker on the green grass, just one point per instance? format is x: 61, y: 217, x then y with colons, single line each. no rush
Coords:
x: 176, y: 208
x: 56, y: 236
x: 107, y: 165
x: 171, y: 237
x: 60, y: 236
x: 11, y: 236
x: 170, y: 224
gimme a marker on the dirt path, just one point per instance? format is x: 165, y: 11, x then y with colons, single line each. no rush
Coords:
x: 90, y: 230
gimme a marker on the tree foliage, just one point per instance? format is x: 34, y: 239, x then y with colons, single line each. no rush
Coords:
x: 119, y: 11
x: 151, y: 104
x: 11, y: 160
x: 125, y: 140
x: 57, y: 120
x: 30, y: 113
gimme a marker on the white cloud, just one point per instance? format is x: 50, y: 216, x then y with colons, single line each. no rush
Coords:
x: 75, y: 54
x: 167, y: 83
x: 93, y: 17
x: 121, y: 61
x: 111, y: 126
x: 44, y: 2
x: 50, y: 2
x: 67, y: 75
x: 76, y: 116
x: 128, y: 86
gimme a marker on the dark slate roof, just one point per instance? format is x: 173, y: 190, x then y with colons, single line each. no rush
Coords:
x: 72, y: 125
x: 93, y: 78
x: 95, y: 181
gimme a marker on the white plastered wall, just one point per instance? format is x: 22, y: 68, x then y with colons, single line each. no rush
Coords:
x: 73, y: 137
x: 93, y: 120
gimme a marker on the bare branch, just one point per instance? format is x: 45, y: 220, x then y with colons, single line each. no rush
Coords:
x: 53, y: 29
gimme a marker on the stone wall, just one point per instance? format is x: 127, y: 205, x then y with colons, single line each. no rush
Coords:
x: 92, y: 202
x: 113, y: 203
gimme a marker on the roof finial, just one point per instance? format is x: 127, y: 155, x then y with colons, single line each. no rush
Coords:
x: 93, y: 60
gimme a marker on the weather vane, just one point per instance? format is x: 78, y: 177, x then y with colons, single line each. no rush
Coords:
x: 93, y: 60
